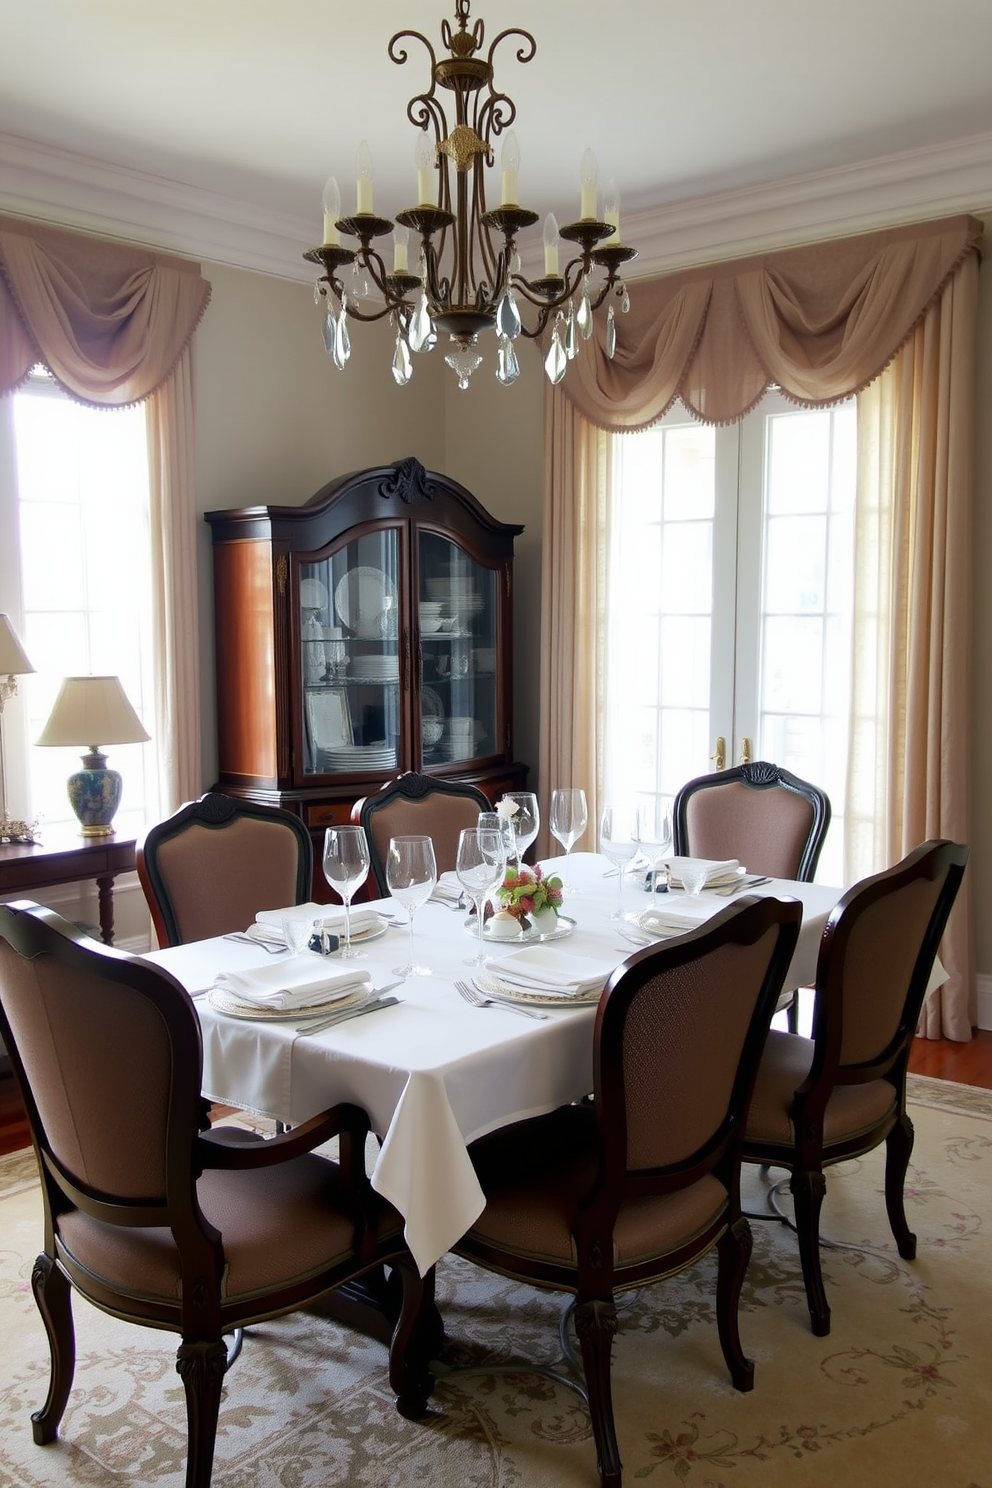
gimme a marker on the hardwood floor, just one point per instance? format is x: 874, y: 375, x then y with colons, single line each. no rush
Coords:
x: 968, y: 1064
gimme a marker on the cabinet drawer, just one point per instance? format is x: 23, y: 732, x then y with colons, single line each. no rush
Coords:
x: 331, y: 814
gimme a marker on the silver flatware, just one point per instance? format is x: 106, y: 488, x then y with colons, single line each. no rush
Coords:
x: 348, y: 1013
x: 726, y: 890
x: 265, y: 945
x: 475, y: 999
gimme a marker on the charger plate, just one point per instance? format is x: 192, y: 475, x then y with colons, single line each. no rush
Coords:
x: 233, y: 1007
x: 533, y: 936
x: 491, y: 985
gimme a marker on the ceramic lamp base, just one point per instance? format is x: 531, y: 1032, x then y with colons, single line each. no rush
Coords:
x: 95, y: 796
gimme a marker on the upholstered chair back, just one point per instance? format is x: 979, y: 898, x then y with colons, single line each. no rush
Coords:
x: 419, y: 804
x: 770, y: 820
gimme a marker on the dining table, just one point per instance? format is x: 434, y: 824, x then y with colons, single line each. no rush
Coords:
x: 433, y: 1072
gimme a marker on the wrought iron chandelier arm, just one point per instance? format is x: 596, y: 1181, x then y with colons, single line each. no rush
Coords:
x: 525, y: 53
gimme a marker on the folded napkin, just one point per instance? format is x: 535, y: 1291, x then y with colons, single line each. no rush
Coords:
x: 555, y: 973
x: 716, y: 872
x: 268, y: 922
x: 299, y: 982
x: 657, y: 922
x: 448, y: 890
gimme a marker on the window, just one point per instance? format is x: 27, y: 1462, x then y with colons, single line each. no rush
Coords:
x: 76, y: 524
x: 731, y: 573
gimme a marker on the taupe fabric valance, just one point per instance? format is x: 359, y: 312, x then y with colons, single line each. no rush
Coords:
x: 108, y: 320
x: 822, y: 322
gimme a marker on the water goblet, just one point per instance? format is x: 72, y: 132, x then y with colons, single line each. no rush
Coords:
x: 491, y: 821
x: 346, y: 867
x: 693, y: 874
x: 526, y: 821
x: 480, y: 866
x: 569, y: 815
x: 411, y: 873
x: 618, y: 842
x: 654, y: 833
x: 296, y: 932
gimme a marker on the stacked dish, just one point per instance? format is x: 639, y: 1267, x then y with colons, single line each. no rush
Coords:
x: 430, y: 615
x: 458, y: 594
x: 379, y: 756
x: 376, y: 668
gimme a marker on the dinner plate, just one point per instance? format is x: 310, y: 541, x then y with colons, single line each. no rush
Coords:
x: 361, y: 597
x: 491, y: 985
x: 233, y: 1007
x: 533, y: 936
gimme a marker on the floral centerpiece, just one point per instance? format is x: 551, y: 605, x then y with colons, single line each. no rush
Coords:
x: 530, y: 898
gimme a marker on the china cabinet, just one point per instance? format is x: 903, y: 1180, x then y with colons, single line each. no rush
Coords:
x: 361, y: 634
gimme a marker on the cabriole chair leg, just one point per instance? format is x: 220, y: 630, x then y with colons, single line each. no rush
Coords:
x: 53, y: 1295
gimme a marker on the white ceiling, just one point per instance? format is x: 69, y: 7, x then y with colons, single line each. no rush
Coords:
x: 241, y: 108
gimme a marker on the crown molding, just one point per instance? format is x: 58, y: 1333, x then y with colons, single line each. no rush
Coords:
x: 77, y: 191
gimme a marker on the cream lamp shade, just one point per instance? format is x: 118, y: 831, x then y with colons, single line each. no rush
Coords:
x: 93, y: 711
x: 13, y: 663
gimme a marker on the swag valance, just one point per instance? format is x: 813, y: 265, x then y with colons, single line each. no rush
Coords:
x: 822, y: 322
x: 108, y: 320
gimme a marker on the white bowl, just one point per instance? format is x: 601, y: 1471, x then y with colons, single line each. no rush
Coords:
x: 430, y: 624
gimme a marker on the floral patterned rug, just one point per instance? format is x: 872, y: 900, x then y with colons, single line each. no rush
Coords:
x: 896, y: 1395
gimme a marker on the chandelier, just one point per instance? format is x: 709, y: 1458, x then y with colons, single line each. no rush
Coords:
x: 468, y: 279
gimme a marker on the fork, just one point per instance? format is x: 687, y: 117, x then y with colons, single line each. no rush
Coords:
x: 266, y: 945
x: 476, y: 999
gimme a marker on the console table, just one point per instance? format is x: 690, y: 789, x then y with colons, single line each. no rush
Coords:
x: 65, y: 857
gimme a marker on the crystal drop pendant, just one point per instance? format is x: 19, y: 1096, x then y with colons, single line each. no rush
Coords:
x: 584, y: 318
x: 463, y: 360
x: 421, y: 330
x: 611, y: 334
x: 330, y: 332
x: 402, y: 364
x: 508, y: 316
x: 342, y: 340
x: 556, y: 362
x: 625, y: 301
x: 507, y: 366
x: 317, y: 296
x: 571, y: 339
x: 515, y: 262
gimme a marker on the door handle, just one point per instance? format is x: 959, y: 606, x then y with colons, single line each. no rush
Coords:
x: 719, y: 755
x: 746, y: 747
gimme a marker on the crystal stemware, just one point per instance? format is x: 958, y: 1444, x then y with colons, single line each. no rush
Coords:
x: 569, y: 815
x: 693, y: 874
x: 618, y: 842
x: 411, y: 873
x: 526, y: 821
x: 654, y: 833
x: 297, y: 930
x: 346, y: 867
x: 491, y: 821
x: 480, y: 866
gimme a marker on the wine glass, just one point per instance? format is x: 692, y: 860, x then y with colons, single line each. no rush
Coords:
x: 491, y: 821
x: 618, y: 842
x: 297, y: 930
x: 654, y: 833
x: 525, y: 821
x: 569, y: 815
x: 346, y: 867
x: 480, y: 866
x: 693, y: 874
x: 411, y: 873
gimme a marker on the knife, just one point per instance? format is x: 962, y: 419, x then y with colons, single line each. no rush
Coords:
x: 343, y: 1017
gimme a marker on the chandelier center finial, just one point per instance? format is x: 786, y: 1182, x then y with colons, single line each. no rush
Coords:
x: 462, y: 146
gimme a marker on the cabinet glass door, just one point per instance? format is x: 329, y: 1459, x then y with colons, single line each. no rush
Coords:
x: 457, y: 614
x: 350, y: 657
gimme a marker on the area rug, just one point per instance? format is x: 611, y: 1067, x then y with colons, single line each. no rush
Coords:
x: 898, y: 1394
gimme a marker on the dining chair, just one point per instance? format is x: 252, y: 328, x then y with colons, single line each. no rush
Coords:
x: 148, y: 1215
x: 842, y: 1092
x: 209, y: 868
x: 644, y: 1179
x: 762, y: 815
x: 418, y: 804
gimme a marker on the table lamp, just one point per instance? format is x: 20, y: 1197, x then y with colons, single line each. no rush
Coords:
x: 90, y: 708
x: 13, y: 663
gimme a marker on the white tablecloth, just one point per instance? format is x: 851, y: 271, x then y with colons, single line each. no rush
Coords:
x: 434, y: 1073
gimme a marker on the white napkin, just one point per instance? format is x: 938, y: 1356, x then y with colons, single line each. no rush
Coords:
x: 716, y: 872
x: 539, y: 969
x: 448, y: 890
x: 268, y: 922
x: 299, y: 982
x: 658, y: 922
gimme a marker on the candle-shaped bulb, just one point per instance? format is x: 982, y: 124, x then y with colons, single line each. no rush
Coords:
x: 551, y: 246
x: 423, y: 156
x: 401, y: 238
x: 611, y: 209
x: 365, y: 177
x: 510, y: 165
x: 588, y: 176
x: 332, y: 210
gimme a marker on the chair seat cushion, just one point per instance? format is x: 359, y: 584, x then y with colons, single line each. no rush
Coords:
x: 535, y: 1173
x: 279, y: 1225
x: 850, y: 1109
